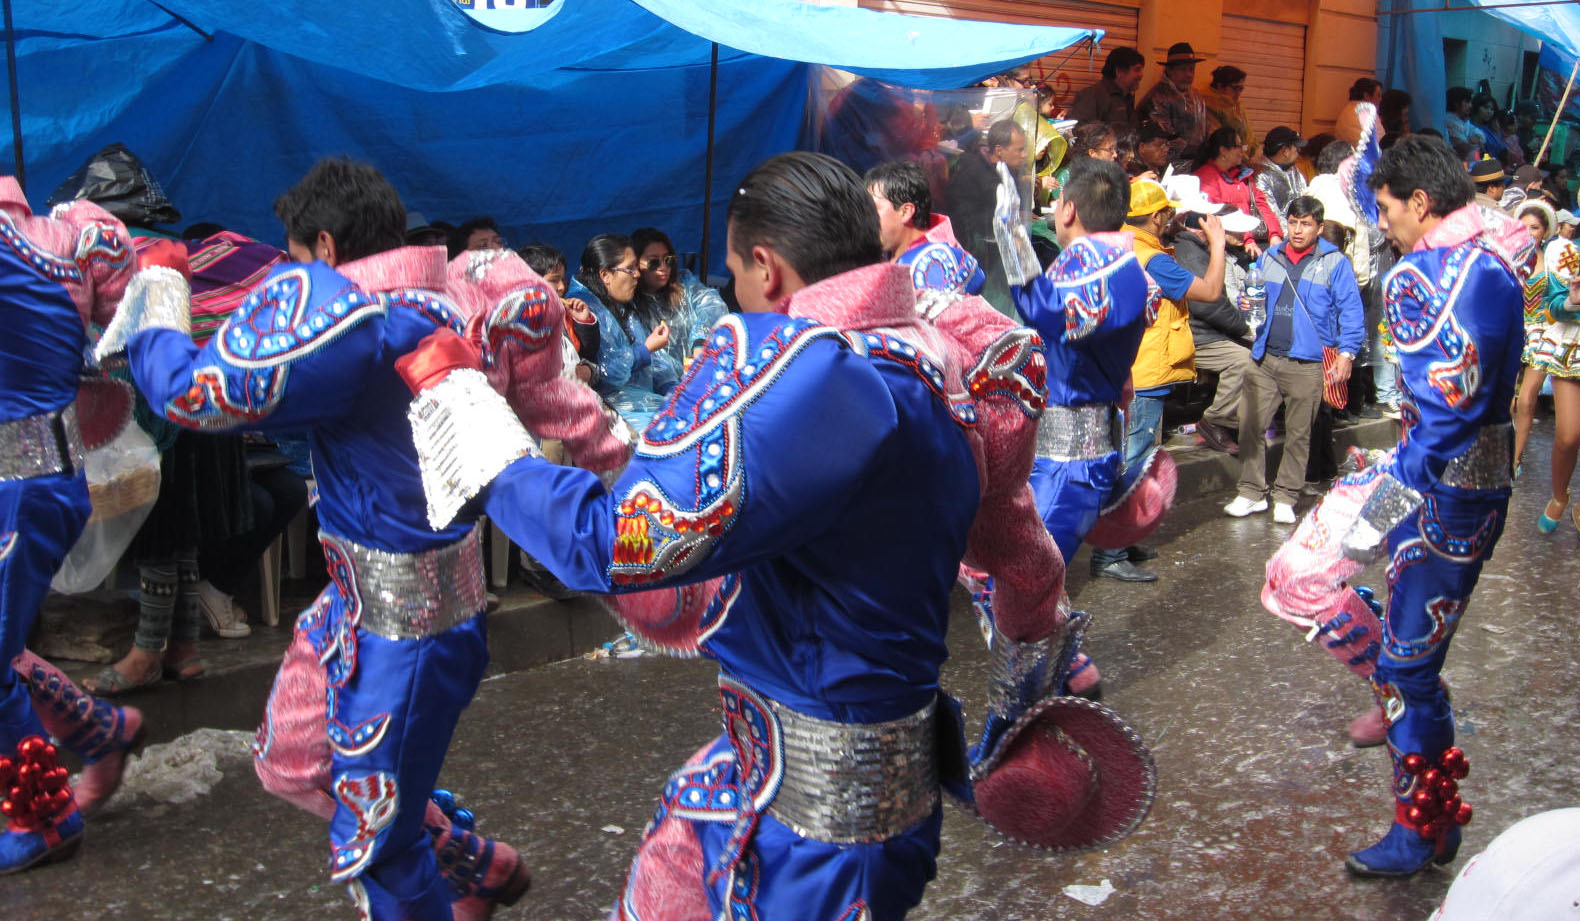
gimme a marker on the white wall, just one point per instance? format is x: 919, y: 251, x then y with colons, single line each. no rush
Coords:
x: 1494, y: 50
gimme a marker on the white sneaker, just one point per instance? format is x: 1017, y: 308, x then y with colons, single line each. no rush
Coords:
x: 1283, y: 514
x: 1241, y: 507
x: 224, y: 615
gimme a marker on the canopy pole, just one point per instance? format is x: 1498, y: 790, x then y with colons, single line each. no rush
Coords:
x: 707, y: 172
x: 16, y: 110
x: 1558, y: 114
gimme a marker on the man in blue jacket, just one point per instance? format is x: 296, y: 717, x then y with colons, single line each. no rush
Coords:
x: 1312, y: 302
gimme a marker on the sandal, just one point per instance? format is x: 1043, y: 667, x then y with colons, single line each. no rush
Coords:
x: 111, y: 683
x: 188, y: 669
x: 1548, y: 523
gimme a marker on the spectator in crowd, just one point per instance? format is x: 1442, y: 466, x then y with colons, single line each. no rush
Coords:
x: 1224, y: 109
x: 1347, y: 127
x: 1152, y: 152
x: 1226, y: 180
x: 478, y: 233
x: 1458, y: 129
x: 1167, y: 355
x: 635, y: 369
x: 1393, y: 113
x: 1113, y: 98
x: 1280, y: 178
x: 1568, y: 223
x: 1483, y: 118
x: 1526, y: 115
x: 277, y: 494
x: 1176, y: 105
x: 1050, y: 147
x: 1307, y: 164
x: 1219, y: 329
x: 1532, y: 181
x: 1508, y: 128
x: 581, y: 324
x: 1312, y: 303
x: 668, y: 295
x: 973, y: 193
x: 1490, y: 181
x: 1093, y: 139
x: 1556, y: 187
x: 421, y: 233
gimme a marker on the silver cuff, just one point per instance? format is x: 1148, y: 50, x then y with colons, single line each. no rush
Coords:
x: 1390, y: 504
x: 848, y: 783
x: 1020, y: 674
x: 1009, y: 232
x: 157, y: 297
x: 465, y: 434
x: 407, y: 596
x: 1071, y: 433
x: 41, y: 445
x: 1489, y: 464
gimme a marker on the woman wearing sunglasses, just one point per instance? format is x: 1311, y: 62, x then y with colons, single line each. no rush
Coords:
x: 673, y: 296
x: 635, y: 368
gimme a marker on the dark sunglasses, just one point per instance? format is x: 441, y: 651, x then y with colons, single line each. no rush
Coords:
x: 652, y: 264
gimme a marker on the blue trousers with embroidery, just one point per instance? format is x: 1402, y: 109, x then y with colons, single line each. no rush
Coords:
x: 1434, y: 562
x: 386, y: 710
x: 1071, y: 494
x: 40, y: 519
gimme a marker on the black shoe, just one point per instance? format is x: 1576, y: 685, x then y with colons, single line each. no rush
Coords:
x: 1218, y: 438
x: 1124, y: 571
x: 1370, y: 411
x: 1140, y: 553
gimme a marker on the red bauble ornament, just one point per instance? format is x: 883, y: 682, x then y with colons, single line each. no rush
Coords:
x: 1447, y: 787
x: 1463, y: 813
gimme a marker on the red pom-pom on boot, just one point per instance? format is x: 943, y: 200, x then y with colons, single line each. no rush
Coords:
x: 43, y: 823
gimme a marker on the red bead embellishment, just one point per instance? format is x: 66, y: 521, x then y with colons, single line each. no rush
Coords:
x: 34, y: 785
x: 1436, y: 805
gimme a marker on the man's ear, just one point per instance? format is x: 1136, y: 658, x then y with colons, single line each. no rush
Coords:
x: 1064, y: 213
x: 771, y: 269
x: 324, y: 249
x: 907, y: 213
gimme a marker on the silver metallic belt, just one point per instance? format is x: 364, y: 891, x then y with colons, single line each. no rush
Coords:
x: 407, y: 596
x: 846, y: 783
x: 1489, y: 464
x: 1067, y: 433
x: 41, y: 445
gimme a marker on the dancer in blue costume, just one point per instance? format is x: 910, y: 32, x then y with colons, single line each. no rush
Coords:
x: 1091, y: 307
x: 1437, y: 501
x: 773, y: 518
x: 56, y: 275
x: 916, y: 237
x: 387, y: 657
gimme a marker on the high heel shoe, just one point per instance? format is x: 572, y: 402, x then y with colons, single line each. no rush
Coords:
x: 1548, y: 523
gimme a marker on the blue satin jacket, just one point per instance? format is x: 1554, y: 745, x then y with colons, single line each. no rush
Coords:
x: 938, y: 266
x: 1091, y: 307
x: 310, y: 351
x: 41, y: 350
x: 802, y: 464
x: 1456, y: 317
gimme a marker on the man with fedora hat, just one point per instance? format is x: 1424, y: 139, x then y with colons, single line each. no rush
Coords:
x: 1490, y: 180
x: 1175, y: 104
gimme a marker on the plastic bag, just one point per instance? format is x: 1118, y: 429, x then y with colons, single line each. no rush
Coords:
x: 116, y: 180
x: 123, y: 482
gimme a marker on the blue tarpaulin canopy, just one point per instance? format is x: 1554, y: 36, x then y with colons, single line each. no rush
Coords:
x: 595, y: 120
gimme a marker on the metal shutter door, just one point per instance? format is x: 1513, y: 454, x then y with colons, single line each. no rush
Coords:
x: 1273, y: 56
x: 1070, y: 70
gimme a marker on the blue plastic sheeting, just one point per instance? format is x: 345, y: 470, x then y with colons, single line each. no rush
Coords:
x: 595, y: 121
x: 1413, y: 62
x: 1555, y: 25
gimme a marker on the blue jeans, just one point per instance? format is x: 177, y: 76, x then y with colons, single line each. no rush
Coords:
x: 1385, y: 374
x: 1144, y: 427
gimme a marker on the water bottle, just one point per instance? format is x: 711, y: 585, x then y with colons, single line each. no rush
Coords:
x: 1255, y: 298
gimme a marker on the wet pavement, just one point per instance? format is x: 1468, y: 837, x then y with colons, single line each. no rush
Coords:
x: 1260, y: 795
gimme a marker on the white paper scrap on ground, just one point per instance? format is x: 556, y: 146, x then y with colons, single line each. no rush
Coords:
x: 613, y: 830
x: 1091, y: 895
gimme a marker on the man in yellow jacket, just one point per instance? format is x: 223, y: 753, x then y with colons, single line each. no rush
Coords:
x: 1167, y: 353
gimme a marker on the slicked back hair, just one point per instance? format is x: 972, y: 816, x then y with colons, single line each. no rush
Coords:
x: 809, y: 208
x: 352, y: 201
x: 1420, y: 161
x: 903, y: 182
x: 1100, y: 191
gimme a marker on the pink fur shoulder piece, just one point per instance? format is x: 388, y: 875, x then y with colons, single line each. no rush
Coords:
x: 82, y: 246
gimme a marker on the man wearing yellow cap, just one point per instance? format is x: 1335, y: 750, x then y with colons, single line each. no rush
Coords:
x: 1167, y: 353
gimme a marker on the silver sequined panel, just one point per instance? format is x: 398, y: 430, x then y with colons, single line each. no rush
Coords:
x: 156, y: 297
x: 465, y: 434
x: 1489, y: 464
x: 1068, y: 433
x: 407, y: 596
x: 30, y: 447
x: 1020, y: 673
x: 846, y: 783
